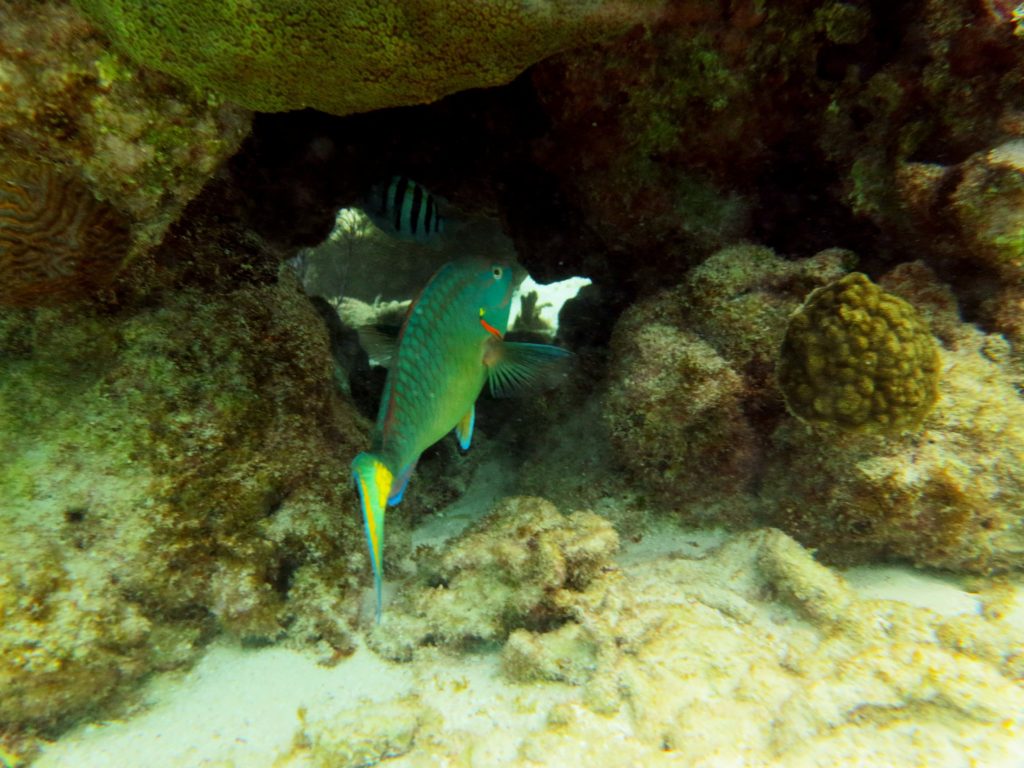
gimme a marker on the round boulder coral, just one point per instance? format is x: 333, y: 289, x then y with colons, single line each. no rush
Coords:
x: 858, y: 358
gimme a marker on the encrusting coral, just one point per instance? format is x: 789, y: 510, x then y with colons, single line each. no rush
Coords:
x: 173, y: 472
x: 858, y: 358
x: 353, y: 56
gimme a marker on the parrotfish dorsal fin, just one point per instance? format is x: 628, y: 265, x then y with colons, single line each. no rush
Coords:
x: 464, y: 429
x: 516, y: 368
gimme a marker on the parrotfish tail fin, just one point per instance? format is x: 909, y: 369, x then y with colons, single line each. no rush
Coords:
x: 464, y: 429
x: 398, y: 484
x: 373, y: 481
x: 517, y: 368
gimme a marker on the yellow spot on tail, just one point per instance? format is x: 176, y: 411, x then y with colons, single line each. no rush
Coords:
x: 382, y: 478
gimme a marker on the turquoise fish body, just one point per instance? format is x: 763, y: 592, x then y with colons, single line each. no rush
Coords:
x: 450, y: 345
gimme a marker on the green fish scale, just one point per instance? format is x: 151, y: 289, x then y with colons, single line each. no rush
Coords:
x: 438, y: 371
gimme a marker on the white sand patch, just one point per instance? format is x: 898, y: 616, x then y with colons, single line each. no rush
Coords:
x: 663, y: 538
x: 244, y: 708
x: 236, y: 706
x: 940, y: 593
x: 492, y: 480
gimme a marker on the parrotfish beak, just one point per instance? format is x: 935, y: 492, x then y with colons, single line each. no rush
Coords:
x: 373, y: 481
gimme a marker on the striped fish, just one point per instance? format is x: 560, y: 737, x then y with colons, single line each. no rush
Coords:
x: 405, y: 209
x: 450, y: 345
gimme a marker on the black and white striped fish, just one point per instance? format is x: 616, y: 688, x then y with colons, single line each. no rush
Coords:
x: 405, y: 209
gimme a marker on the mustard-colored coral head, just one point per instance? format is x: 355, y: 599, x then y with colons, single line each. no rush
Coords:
x: 858, y: 358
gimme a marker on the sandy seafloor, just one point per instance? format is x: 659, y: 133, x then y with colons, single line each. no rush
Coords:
x: 256, y: 708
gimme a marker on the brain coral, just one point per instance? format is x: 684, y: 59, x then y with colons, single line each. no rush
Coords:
x: 57, y: 241
x: 351, y: 56
x: 858, y: 358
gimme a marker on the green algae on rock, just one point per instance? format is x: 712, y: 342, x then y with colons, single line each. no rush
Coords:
x: 353, y: 56
x: 858, y: 358
x: 177, y: 470
x: 140, y: 142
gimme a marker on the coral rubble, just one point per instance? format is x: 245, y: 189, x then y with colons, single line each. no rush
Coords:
x: 514, y: 568
x: 705, y: 670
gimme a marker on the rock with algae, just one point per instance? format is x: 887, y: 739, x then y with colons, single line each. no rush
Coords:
x: 512, y: 569
x: 690, y: 372
x: 700, y: 439
x: 353, y: 56
x: 858, y: 358
x: 950, y: 495
x: 688, y: 659
x: 175, y: 470
x: 364, y: 735
x: 68, y: 639
x: 75, y: 111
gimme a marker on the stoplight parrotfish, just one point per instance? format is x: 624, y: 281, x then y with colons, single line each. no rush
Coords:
x: 450, y: 344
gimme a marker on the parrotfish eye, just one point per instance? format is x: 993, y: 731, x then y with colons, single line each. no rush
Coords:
x: 497, y: 272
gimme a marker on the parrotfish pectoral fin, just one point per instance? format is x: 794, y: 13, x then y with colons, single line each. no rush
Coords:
x: 373, y: 481
x: 399, y: 483
x: 380, y: 342
x: 464, y: 429
x: 516, y: 368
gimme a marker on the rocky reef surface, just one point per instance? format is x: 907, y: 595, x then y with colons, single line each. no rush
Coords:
x: 177, y: 416
x: 712, y: 650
